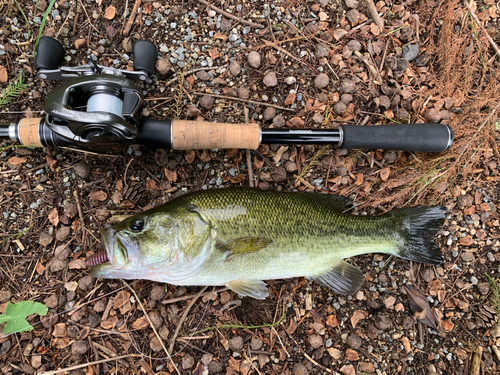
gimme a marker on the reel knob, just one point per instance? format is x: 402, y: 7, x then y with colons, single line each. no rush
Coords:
x: 144, y: 56
x: 49, y: 54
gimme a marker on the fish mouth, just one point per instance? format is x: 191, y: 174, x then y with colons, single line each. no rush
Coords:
x: 103, y: 256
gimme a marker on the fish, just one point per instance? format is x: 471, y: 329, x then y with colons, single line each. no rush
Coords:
x: 240, y: 237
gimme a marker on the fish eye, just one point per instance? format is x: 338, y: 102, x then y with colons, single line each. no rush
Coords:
x: 137, y: 225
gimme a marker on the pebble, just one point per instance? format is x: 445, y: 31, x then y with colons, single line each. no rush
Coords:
x: 187, y: 361
x: 347, y: 86
x: 192, y: 111
x: 254, y: 59
x: 203, y: 75
x: 322, y: 51
x: 354, y: 45
x: 410, y: 51
x: 158, y: 293
x: 339, y: 107
x: 243, y: 93
x: 353, y: 4
x: 353, y: 16
x: 256, y: 344
x: 432, y: 115
x: 290, y: 80
x: 270, y: 79
x: 467, y: 256
x: 236, y: 343
x: 279, y: 121
x: 234, y: 68
x: 322, y: 80
x: 80, y: 347
x: 354, y: 341
x: 207, y: 102
x: 315, y: 340
x: 270, y: 113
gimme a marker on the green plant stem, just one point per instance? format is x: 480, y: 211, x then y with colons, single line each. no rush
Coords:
x: 42, y: 24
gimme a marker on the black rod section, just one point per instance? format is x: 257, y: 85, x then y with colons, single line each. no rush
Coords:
x: 4, y: 131
x: 301, y: 136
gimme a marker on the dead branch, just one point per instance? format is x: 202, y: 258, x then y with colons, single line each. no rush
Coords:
x: 374, y: 14
x: 131, y: 19
x: 229, y: 15
x: 473, y: 15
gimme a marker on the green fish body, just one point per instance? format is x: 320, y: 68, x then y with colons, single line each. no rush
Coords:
x: 239, y: 237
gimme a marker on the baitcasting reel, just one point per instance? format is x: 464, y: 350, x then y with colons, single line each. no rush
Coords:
x: 97, y: 109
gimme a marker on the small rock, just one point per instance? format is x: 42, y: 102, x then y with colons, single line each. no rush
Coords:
x: 269, y: 113
x: 63, y: 233
x: 45, y: 239
x: 354, y: 45
x: 82, y: 170
x: 339, y: 107
x: 232, y: 92
x: 279, y: 121
x: 253, y: 59
x: 484, y: 288
x: 207, y: 102
x: 346, y: 98
x: 192, y: 111
x: 339, y: 34
x: 203, y: 75
x: 215, y: 367
x: 432, y: 115
x: 36, y: 361
x: 80, y: 347
x: 234, y: 68
x: 318, y: 118
x: 321, y: 81
x: 410, y: 51
x: 353, y: 16
x: 163, y: 66
x: 300, y: 369
x: 354, y: 341
x: 156, y: 319
x: 86, y: 282
x: 236, y: 343
x: 51, y: 302
x: 187, y: 361
x: 467, y: 256
x: 322, y: 51
x: 279, y: 174
x: 353, y: 4
x: 421, y: 60
x: 5, y: 295
x: 158, y: 292
x: 347, y: 86
x: 315, y: 340
x: 290, y: 80
x: 225, y: 24
x: 385, y: 101
x: 256, y: 343
x: 206, y: 359
x: 290, y: 166
x: 155, y: 344
x: 243, y: 93
x: 270, y: 79
x: 102, y: 214
x: 383, y: 322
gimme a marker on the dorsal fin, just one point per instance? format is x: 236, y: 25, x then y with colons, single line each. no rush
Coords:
x: 335, y: 202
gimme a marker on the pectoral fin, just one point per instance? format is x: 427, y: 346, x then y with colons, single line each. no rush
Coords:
x: 344, y: 278
x: 243, y: 245
x: 251, y: 288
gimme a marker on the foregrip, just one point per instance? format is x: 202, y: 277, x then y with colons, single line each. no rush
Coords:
x: 403, y: 137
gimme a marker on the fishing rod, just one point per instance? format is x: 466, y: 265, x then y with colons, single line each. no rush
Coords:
x: 97, y: 109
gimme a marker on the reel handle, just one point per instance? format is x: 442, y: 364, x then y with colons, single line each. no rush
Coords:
x: 49, y: 53
x: 145, y: 54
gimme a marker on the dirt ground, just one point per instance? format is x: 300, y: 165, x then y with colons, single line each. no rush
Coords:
x: 292, y: 64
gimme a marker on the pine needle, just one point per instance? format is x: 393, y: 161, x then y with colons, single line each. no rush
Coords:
x: 13, y: 90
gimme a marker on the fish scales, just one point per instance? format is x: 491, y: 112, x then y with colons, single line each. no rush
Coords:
x: 240, y: 236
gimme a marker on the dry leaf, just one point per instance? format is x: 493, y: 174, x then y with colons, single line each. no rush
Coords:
x: 98, y: 195
x: 447, y: 325
x: 77, y: 264
x: 237, y: 179
x: 406, y: 344
x: 171, y: 175
x: 292, y: 327
x: 59, y: 330
x: 374, y: 29
x: 332, y: 321
x: 141, y: 323
x: 351, y: 355
x: 357, y: 317
x: 16, y: 160
x: 335, y: 353
x: 220, y: 36
x: 420, y: 305
x: 54, y: 217
x: 290, y: 99
x: 110, y: 12
x: 190, y: 155
x: 71, y: 286
x: 40, y: 268
x: 384, y: 173
x: 296, y: 122
x: 4, y: 77
x: 214, y: 53
x: 147, y: 8
x: 109, y: 323
x: 205, y: 156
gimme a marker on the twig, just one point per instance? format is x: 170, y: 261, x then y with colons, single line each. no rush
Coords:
x: 229, y: 15
x: 373, y: 69
x: 80, y: 213
x: 183, y: 317
x: 245, y: 101
x: 492, y: 42
x: 374, y: 14
x: 183, y: 298
x: 67, y: 369
x: 131, y: 19
x: 475, y: 363
x: 186, y: 74
x: 88, y: 18
x: 152, y: 326
x: 248, y: 152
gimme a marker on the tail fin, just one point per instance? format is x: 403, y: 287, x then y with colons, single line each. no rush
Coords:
x: 418, y: 226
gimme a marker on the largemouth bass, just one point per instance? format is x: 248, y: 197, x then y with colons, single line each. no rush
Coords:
x: 239, y: 237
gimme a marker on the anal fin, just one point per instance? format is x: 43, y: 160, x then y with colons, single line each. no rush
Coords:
x: 251, y: 288
x: 344, y: 278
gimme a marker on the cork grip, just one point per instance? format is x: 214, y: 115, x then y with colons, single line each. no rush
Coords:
x: 201, y: 135
x: 28, y: 132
